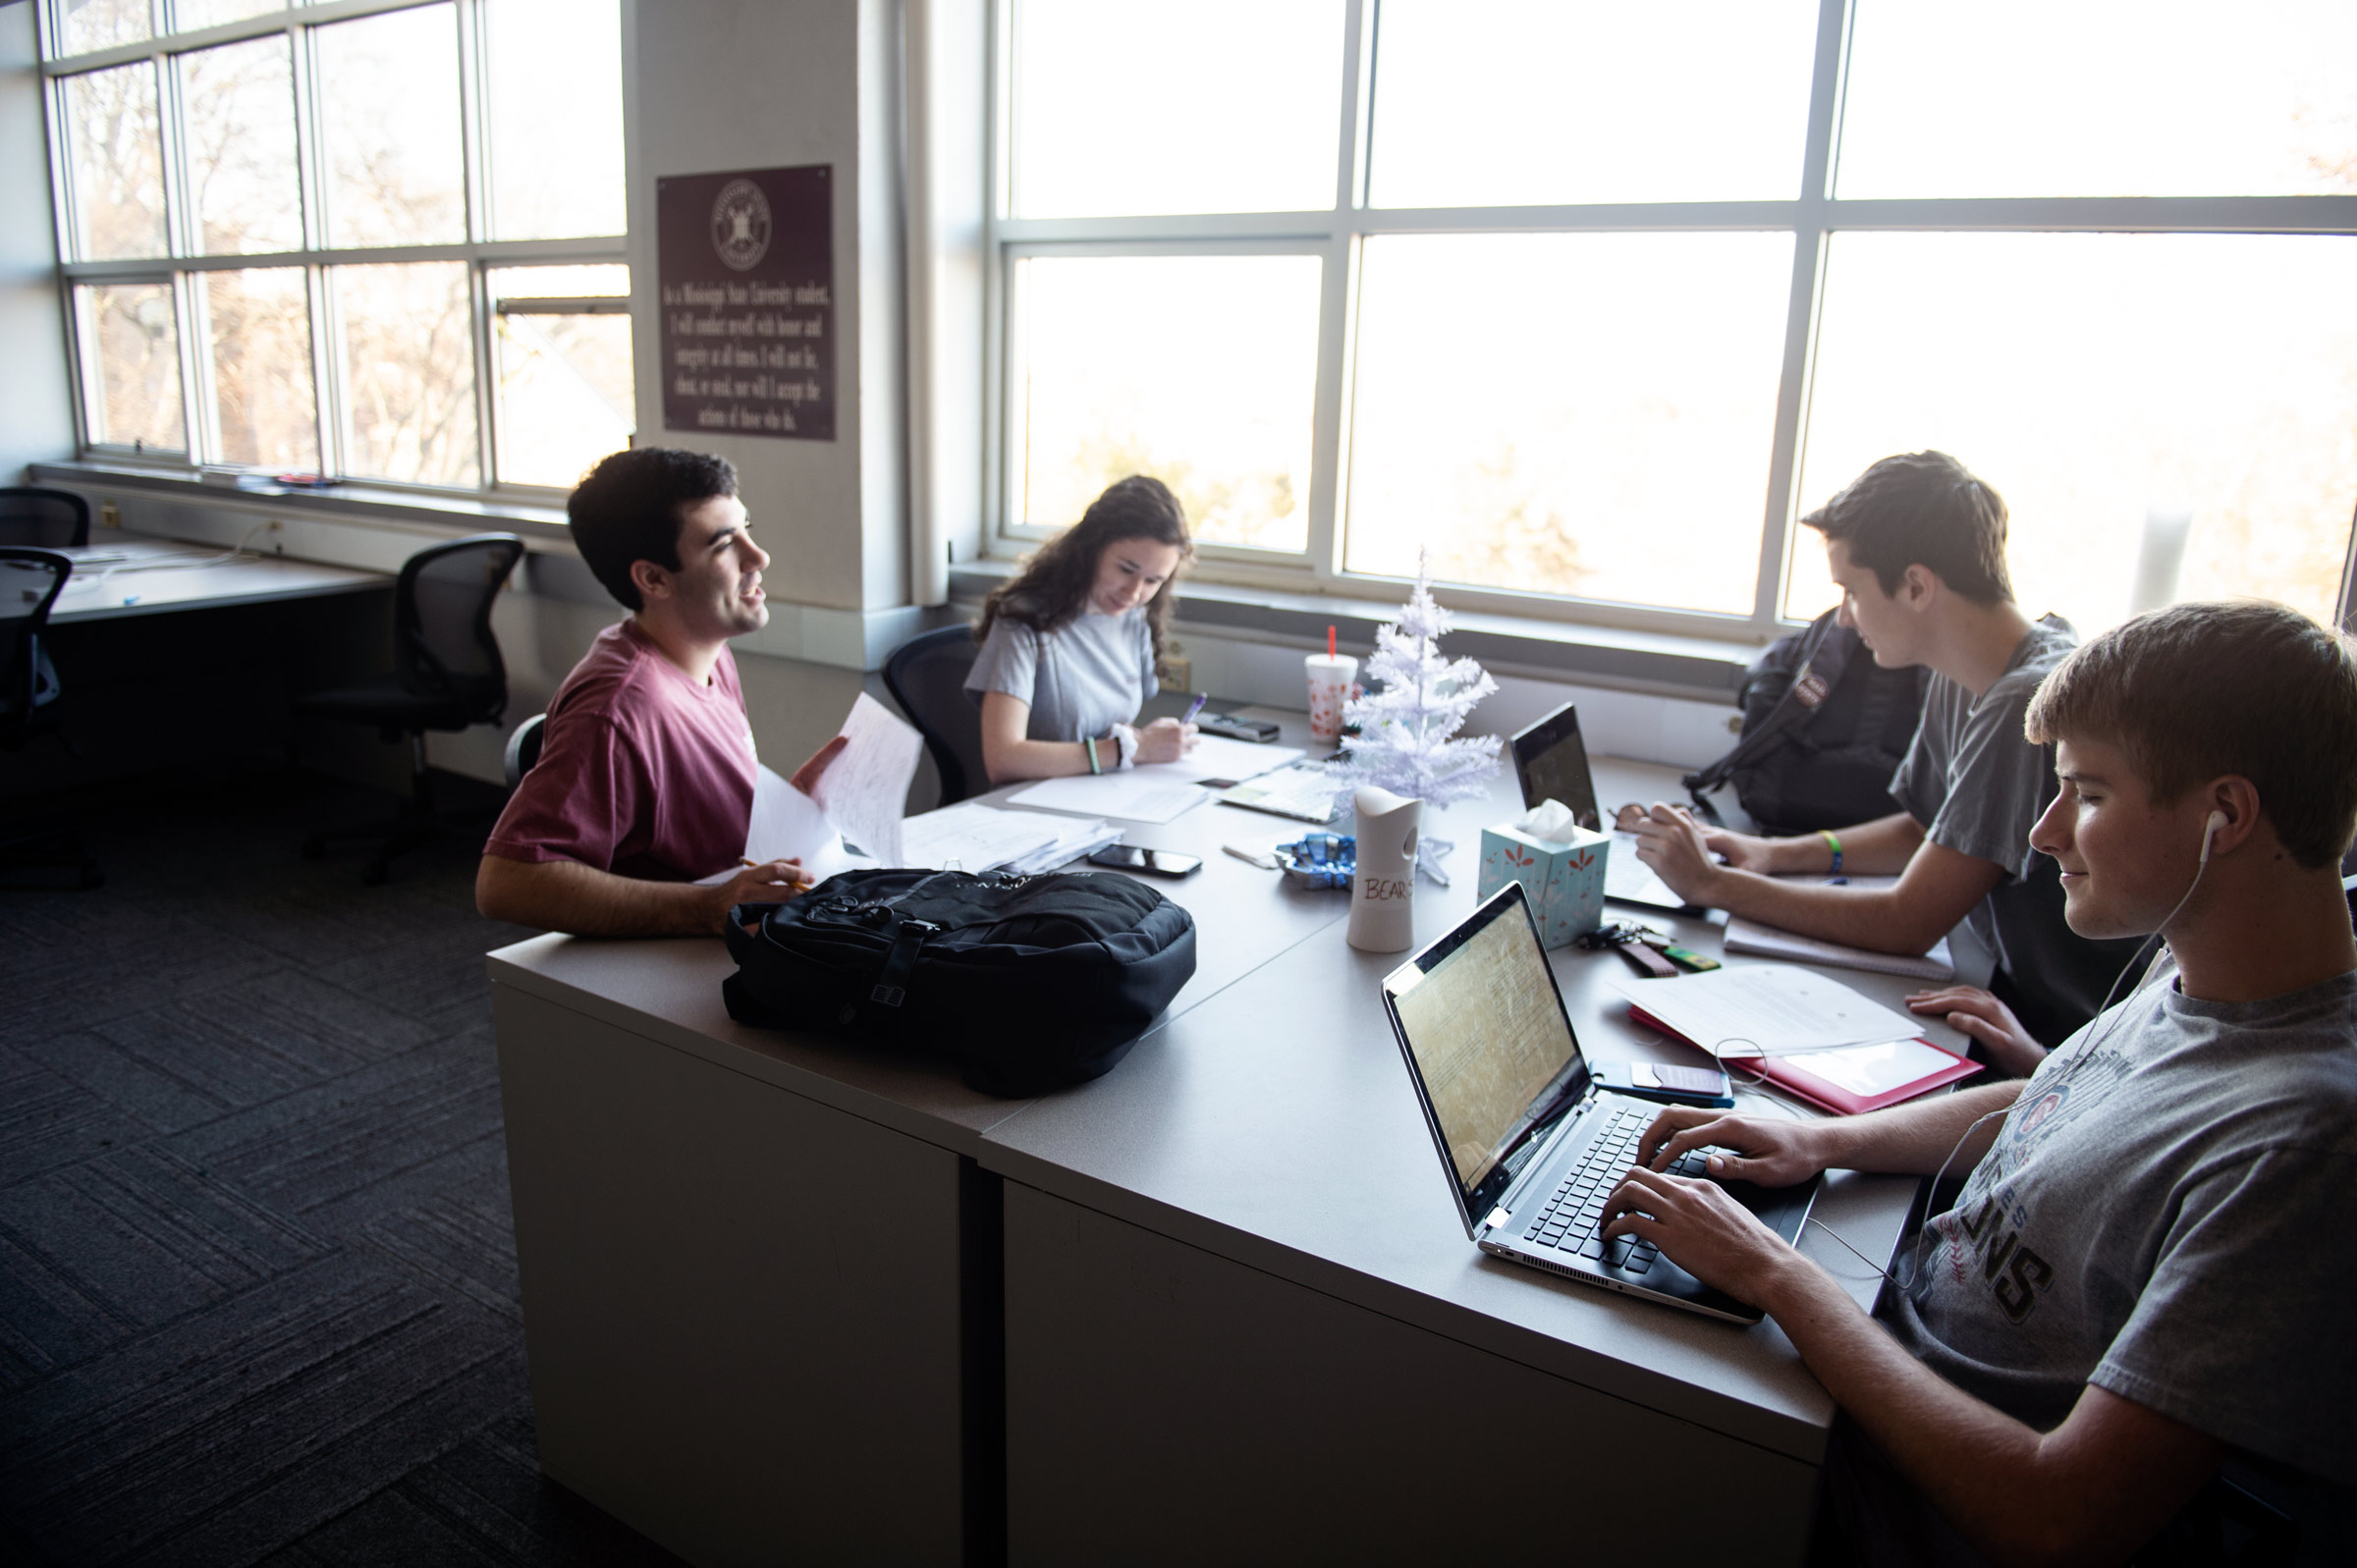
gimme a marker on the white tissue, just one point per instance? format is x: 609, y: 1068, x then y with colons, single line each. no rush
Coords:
x: 1551, y: 820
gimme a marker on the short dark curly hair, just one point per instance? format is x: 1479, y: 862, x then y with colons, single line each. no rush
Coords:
x: 629, y: 508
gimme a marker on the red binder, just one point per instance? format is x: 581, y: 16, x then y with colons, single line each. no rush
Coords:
x: 1847, y: 1079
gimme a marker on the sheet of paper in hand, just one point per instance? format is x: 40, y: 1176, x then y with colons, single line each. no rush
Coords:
x: 864, y: 790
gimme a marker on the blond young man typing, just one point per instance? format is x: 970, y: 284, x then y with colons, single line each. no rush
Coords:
x: 2148, y: 1272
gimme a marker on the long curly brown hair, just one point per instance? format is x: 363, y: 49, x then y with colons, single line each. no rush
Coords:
x: 1052, y: 589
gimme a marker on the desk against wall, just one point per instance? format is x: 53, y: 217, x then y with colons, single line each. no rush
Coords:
x: 195, y: 673
x: 1239, y: 1305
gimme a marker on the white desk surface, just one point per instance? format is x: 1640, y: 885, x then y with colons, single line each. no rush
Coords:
x: 153, y: 578
x: 1267, y: 1118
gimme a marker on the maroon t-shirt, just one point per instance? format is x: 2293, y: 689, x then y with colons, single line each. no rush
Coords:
x: 642, y: 771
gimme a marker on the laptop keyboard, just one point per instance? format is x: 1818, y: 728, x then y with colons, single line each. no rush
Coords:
x: 1568, y: 1222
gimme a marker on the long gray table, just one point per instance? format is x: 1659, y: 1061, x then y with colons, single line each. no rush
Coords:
x: 763, y: 1289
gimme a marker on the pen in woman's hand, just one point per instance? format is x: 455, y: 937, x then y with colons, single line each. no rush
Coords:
x: 1195, y: 707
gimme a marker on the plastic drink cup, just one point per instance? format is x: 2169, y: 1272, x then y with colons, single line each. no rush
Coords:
x: 1330, y: 678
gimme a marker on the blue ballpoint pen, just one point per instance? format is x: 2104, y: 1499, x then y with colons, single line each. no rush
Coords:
x: 1195, y: 707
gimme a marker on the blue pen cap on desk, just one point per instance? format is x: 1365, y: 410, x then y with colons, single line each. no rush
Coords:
x: 1319, y: 861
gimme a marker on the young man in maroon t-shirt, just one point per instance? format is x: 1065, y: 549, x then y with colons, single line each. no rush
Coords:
x: 645, y: 778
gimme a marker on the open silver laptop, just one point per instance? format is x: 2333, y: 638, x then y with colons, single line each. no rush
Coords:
x: 1550, y: 762
x: 1531, y: 1148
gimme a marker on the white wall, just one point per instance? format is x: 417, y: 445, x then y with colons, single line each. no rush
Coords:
x: 724, y: 84
x: 37, y: 410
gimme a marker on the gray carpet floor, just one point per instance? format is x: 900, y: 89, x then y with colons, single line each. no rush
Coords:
x: 258, y: 1274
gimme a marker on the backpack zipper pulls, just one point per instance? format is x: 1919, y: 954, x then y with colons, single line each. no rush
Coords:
x: 891, y: 987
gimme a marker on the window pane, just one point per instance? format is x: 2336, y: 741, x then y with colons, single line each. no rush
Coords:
x: 86, y: 25
x: 1569, y: 413
x: 2094, y: 379
x: 556, y: 118
x: 262, y: 340
x: 408, y: 373
x: 1541, y: 101
x: 240, y: 105
x: 564, y: 394
x: 189, y: 15
x: 131, y: 358
x: 389, y: 101
x: 1202, y: 106
x: 1115, y: 374
x: 2091, y: 98
x: 118, y: 162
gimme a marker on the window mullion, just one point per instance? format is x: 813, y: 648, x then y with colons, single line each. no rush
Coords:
x: 476, y: 153
x: 1818, y: 157
x: 1331, y: 398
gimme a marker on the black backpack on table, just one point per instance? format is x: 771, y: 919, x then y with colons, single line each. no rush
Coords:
x: 1029, y: 983
x: 1823, y: 728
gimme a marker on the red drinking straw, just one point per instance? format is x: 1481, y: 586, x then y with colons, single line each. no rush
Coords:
x: 1329, y: 642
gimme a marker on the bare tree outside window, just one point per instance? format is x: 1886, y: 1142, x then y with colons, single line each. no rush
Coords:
x: 135, y: 372
x: 389, y: 106
x: 86, y: 25
x: 118, y: 162
x: 408, y: 372
x: 239, y: 104
x: 260, y: 327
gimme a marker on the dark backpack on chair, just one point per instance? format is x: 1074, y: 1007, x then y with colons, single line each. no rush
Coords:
x: 1029, y: 983
x: 1823, y: 728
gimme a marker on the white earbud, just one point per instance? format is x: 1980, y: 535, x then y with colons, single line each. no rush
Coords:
x: 2218, y: 820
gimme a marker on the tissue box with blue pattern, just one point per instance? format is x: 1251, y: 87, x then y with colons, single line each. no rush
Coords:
x: 1560, y: 864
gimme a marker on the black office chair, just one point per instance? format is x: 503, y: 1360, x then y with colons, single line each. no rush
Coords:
x: 523, y: 748
x: 926, y: 676
x: 447, y: 675
x: 31, y: 706
x: 44, y: 520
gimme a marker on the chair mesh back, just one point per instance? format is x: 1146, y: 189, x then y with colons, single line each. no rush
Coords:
x: 29, y: 583
x: 443, y: 608
x: 926, y: 676
x: 44, y: 520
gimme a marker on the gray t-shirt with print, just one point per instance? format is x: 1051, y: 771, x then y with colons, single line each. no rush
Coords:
x: 1088, y: 675
x: 2165, y: 1214
x: 1978, y: 786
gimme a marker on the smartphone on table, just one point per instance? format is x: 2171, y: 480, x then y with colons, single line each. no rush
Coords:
x: 1674, y: 1086
x: 1152, y: 862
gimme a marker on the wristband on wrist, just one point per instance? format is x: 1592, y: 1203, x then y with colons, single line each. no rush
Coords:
x: 1090, y: 746
x: 1126, y: 738
x: 1834, y: 844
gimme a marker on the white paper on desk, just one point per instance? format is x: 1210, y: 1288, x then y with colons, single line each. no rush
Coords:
x: 787, y: 825
x: 1136, y: 796
x: 1219, y: 757
x: 1773, y: 941
x: 866, y: 789
x: 1765, y: 1011
x: 971, y: 836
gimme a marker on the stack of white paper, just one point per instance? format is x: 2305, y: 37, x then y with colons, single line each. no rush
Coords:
x: 1765, y: 1011
x: 1078, y: 837
x: 1162, y: 790
x: 970, y: 836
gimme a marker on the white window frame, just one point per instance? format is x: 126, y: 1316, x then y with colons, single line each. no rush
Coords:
x: 1338, y: 234
x: 183, y: 265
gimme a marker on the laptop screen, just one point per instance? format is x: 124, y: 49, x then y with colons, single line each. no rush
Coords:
x: 1485, y: 1034
x: 1552, y: 763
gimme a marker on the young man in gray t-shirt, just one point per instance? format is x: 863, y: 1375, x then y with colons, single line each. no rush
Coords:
x: 1917, y: 545
x: 2147, y: 1275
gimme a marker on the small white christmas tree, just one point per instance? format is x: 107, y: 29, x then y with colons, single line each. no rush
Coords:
x: 1407, y: 740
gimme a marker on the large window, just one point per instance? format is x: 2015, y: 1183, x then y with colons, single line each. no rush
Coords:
x: 377, y: 240
x: 1589, y: 302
